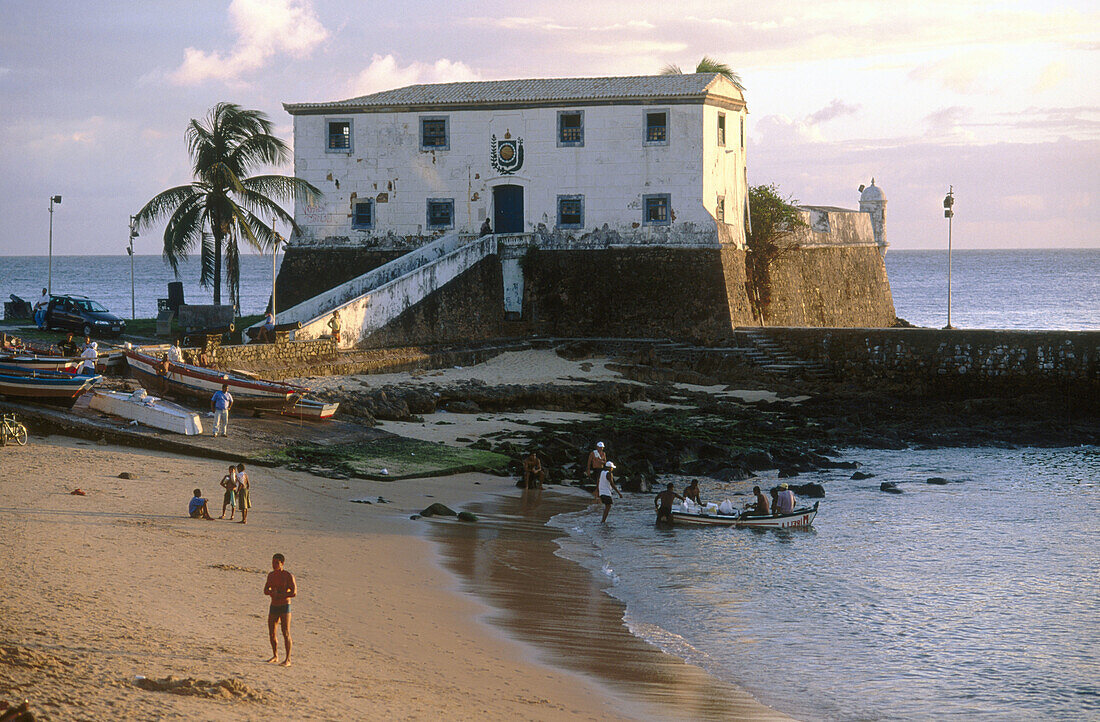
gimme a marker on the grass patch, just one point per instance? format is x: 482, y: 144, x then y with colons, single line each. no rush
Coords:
x: 402, y: 457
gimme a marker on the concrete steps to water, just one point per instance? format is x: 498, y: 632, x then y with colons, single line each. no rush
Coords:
x: 770, y: 355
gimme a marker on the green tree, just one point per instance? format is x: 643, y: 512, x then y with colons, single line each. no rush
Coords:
x: 773, y: 224
x: 708, y: 65
x: 223, y: 204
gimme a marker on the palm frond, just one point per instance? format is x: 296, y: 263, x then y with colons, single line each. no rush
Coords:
x: 162, y: 204
x: 233, y: 271
x: 206, y: 260
x: 711, y: 65
x: 259, y: 150
x: 182, y: 230
x: 283, y: 187
x: 671, y: 69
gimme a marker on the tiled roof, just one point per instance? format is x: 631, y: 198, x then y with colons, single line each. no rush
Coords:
x: 536, y: 91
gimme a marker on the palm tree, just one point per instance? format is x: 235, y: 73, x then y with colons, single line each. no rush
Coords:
x: 708, y: 65
x: 222, y: 206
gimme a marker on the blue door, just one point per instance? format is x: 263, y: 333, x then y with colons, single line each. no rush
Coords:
x: 508, y: 209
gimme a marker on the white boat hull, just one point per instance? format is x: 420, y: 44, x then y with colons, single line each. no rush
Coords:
x: 159, y: 414
x: 799, y: 519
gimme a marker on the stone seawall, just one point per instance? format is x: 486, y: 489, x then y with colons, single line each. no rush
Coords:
x: 692, y: 293
x: 833, y: 285
x: 1005, y: 360
x: 267, y: 355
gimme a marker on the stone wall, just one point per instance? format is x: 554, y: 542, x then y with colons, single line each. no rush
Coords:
x: 256, y: 355
x: 830, y: 285
x: 964, y: 360
x: 639, y: 292
x: 308, y: 271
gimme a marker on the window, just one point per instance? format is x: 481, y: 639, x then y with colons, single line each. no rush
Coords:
x: 720, y: 209
x: 656, y: 210
x: 722, y: 129
x: 570, y: 128
x: 364, y: 215
x: 434, y: 134
x: 441, y: 213
x: 339, y: 136
x: 656, y: 127
x: 570, y: 211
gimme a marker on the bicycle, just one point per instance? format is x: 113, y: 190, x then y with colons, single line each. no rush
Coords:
x: 10, y: 428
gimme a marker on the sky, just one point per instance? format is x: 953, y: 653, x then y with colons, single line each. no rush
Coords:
x: 1000, y: 100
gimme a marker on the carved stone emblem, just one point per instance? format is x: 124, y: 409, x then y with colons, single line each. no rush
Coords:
x: 506, y: 155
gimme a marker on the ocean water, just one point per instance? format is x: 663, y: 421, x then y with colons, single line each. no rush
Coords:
x: 107, y: 280
x: 1028, y: 289
x: 974, y: 600
x: 990, y: 289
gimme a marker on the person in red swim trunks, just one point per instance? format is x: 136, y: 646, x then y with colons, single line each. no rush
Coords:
x: 280, y: 587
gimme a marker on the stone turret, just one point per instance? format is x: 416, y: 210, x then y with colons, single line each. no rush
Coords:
x: 872, y: 200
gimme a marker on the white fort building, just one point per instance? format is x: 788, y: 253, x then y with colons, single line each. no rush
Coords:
x: 650, y: 159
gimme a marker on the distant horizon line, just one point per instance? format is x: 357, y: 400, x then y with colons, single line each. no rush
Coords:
x: 896, y: 250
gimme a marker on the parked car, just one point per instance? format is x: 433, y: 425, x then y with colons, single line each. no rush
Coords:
x: 82, y: 315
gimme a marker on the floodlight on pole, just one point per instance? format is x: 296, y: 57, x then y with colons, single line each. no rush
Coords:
x: 949, y: 214
x: 130, y: 250
x: 49, y: 278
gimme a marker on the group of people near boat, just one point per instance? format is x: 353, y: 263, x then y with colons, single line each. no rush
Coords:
x: 783, y: 501
x: 236, y: 496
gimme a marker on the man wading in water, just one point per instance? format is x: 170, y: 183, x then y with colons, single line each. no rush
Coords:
x: 280, y: 587
x: 663, y: 502
x: 604, y: 488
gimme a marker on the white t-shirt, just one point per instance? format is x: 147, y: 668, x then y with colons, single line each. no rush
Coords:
x: 785, y: 502
x: 175, y: 355
x: 44, y: 301
x: 604, y: 485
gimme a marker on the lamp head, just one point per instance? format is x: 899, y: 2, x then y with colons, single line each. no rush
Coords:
x: 56, y: 199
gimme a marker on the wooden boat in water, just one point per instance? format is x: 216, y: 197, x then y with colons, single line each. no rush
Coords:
x: 311, y: 410
x: 798, y: 519
x: 38, y: 362
x: 48, y: 387
x: 148, y: 410
x: 185, y: 381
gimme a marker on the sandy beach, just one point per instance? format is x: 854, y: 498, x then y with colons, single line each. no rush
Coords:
x: 102, y: 588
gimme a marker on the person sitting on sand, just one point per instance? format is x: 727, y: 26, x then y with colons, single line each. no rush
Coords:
x: 692, y: 492
x: 604, y: 488
x: 533, y: 471
x: 244, y: 500
x: 760, y: 506
x: 785, y: 501
x: 197, y: 508
x: 663, y: 503
x: 280, y: 586
x: 229, y: 499
x: 596, y: 462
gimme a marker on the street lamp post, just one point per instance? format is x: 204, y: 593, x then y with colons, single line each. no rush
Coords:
x: 49, y: 280
x: 130, y: 250
x: 949, y: 214
x: 275, y: 239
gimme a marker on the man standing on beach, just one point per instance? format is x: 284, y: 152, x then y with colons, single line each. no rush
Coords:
x: 280, y: 587
x: 244, y: 501
x: 596, y: 462
x: 229, y: 500
x: 220, y: 403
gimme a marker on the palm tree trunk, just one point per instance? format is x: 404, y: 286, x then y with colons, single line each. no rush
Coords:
x: 217, y: 266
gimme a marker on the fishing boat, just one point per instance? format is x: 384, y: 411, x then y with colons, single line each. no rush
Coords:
x: 311, y: 410
x: 184, y: 381
x: 48, y: 387
x: 148, y: 410
x: 38, y: 362
x: 797, y: 519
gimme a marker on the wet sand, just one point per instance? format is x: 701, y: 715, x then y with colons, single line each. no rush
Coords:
x: 508, y: 559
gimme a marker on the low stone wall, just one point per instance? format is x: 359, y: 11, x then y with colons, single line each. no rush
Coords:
x: 306, y: 271
x: 961, y: 359
x: 268, y: 355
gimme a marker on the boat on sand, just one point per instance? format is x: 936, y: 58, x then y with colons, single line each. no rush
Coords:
x: 148, y: 410
x: 38, y: 362
x: 47, y: 387
x: 185, y: 381
x: 311, y: 410
x: 704, y: 516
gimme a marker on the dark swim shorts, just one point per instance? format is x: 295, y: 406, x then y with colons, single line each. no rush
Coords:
x: 278, y: 610
x: 605, y: 498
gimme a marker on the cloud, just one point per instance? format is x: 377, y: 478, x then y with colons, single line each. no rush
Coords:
x: 947, y: 121
x: 961, y: 72
x: 833, y: 110
x: 264, y: 28
x: 384, y: 73
x: 4, y: 71
x: 1052, y: 76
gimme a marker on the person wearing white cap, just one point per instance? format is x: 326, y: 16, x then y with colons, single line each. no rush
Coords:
x: 596, y: 461
x: 89, y: 354
x: 785, y: 501
x: 604, y: 488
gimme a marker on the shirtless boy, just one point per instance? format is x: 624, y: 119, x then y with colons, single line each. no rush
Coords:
x: 280, y: 587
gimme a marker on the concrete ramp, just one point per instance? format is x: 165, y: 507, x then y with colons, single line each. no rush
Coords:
x: 368, y: 302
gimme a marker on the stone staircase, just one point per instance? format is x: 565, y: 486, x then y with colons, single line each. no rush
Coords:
x: 769, y: 355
